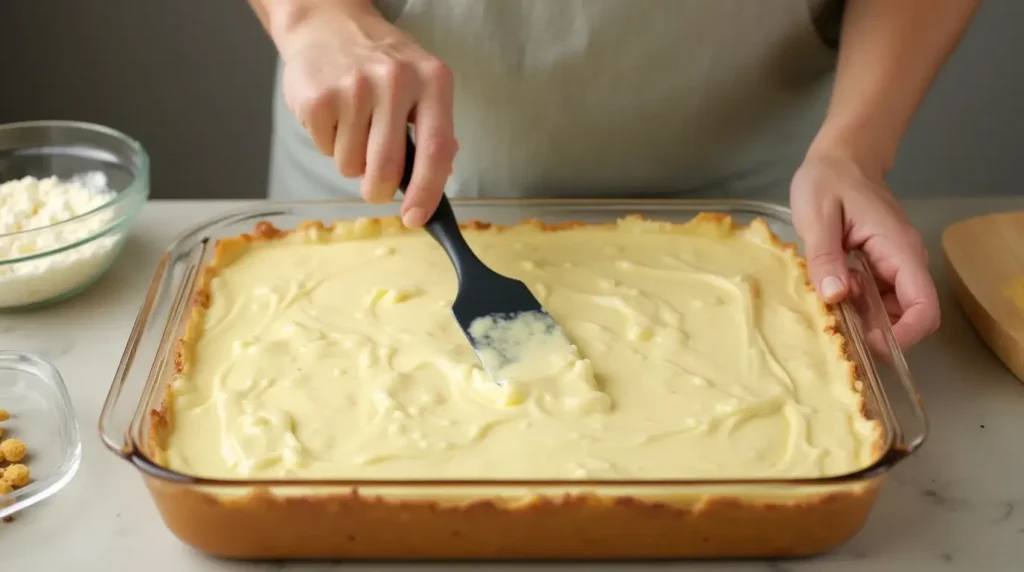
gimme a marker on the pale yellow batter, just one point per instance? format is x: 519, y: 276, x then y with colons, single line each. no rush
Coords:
x: 698, y: 352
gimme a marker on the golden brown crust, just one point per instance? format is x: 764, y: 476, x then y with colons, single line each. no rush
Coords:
x: 350, y: 525
x: 568, y: 527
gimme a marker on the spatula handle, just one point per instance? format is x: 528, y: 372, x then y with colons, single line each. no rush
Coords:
x: 442, y: 225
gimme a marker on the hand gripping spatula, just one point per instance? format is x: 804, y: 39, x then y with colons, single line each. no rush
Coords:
x: 497, y: 313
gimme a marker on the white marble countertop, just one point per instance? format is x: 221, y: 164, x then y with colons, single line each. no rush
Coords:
x: 958, y: 504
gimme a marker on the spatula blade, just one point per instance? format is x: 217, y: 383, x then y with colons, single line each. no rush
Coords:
x: 499, y: 315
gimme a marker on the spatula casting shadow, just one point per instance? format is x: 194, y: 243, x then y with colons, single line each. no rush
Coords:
x: 497, y: 301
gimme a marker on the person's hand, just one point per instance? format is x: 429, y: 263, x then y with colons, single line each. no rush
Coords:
x: 355, y: 82
x: 836, y: 208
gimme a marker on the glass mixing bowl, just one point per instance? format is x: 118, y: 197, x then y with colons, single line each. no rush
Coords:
x: 44, y: 265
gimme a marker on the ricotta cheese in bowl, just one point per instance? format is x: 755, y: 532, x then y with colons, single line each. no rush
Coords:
x: 68, y: 193
x: 53, y: 238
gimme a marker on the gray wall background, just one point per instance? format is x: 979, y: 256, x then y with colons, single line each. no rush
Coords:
x: 191, y: 79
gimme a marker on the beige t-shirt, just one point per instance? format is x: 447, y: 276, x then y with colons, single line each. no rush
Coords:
x: 589, y: 98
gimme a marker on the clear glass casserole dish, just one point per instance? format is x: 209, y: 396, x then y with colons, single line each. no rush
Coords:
x: 643, y: 519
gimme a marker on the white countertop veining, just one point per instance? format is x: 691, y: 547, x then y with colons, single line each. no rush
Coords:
x: 958, y: 504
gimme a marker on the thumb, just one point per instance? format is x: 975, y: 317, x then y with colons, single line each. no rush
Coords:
x: 822, y: 235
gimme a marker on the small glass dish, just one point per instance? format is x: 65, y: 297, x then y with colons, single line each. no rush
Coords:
x: 33, y: 392
x: 44, y: 265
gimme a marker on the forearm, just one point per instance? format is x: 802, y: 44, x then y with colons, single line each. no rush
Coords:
x: 890, y: 53
x: 279, y: 17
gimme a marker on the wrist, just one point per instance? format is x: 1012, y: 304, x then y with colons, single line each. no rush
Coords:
x: 873, y: 152
x: 287, y: 18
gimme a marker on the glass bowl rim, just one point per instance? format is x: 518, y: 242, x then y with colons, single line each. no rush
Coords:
x: 137, y: 187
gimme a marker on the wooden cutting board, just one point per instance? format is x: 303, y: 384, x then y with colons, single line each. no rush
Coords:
x: 985, y: 261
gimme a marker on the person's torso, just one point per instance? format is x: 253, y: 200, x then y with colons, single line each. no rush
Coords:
x: 614, y: 97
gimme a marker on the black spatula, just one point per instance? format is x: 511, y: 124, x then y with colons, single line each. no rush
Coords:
x: 494, y: 311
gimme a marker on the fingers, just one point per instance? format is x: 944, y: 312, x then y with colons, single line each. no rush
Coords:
x: 435, y: 147
x: 855, y: 284
x: 396, y: 87
x: 918, y: 300
x: 912, y: 303
x: 918, y: 321
x: 315, y: 108
x: 834, y: 205
x: 877, y: 342
x: 321, y: 117
x: 349, y: 145
x: 356, y: 105
x: 821, y: 228
x: 891, y: 305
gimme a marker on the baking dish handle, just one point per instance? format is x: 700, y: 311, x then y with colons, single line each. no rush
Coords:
x: 116, y: 417
x: 898, y: 396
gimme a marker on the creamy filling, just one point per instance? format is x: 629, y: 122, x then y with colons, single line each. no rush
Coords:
x: 695, y: 353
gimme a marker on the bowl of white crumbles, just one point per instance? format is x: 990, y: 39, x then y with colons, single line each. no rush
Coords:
x: 69, y: 192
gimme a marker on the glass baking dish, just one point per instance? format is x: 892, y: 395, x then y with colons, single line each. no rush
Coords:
x: 315, y: 519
